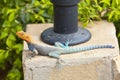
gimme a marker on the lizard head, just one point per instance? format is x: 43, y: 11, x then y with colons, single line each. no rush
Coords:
x: 23, y: 35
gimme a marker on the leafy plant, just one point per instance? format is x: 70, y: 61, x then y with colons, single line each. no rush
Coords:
x: 14, y: 15
x: 99, y: 9
x: 88, y: 11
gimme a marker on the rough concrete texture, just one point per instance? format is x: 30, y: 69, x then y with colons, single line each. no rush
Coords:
x: 89, y: 65
x: 116, y: 68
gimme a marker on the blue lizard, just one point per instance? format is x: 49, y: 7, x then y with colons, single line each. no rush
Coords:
x: 55, y: 52
x: 58, y: 49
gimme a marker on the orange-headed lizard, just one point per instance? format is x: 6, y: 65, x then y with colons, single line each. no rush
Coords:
x: 58, y: 49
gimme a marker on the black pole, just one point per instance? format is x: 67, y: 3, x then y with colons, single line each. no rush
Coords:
x: 65, y: 19
x: 65, y: 24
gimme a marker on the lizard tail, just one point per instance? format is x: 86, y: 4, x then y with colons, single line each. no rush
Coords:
x: 23, y: 35
x: 95, y: 47
x: 86, y: 48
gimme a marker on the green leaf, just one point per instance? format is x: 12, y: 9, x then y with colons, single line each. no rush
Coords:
x: 111, y: 15
x: 32, y: 18
x: 18, y: 63
x: 3, y: 35
x: 43, y: 1
x: 96, y: 1
x: 18, y: 47
x: 23, y: 17
x: 12, y: 37
x: 10, y: 41
x: 10, y: 11
x: 5, y: 1
x: 42, y: 19
x: 36, y: 3
x: 88, y: 1
x: 118, y: 35
x: 6, y: 54
x: 2, y: 59
x: 27, y: 17
x: 14, y: 74
x: 12, y: 16
x: 41, y: 12
x: 18, y: 27
x: 117, y: 2
x: 46, y: 15
x: 2, y: 54
x: 105, y: 2
x: 6, y: 23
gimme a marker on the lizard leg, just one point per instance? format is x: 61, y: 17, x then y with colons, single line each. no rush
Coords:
x: 59, y: 44
x: 67, y: 43
x: 56, y: 54
x: 31, y: 48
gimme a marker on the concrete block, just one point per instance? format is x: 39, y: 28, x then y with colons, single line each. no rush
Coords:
x: 116, y: 68
x: 88, y: 65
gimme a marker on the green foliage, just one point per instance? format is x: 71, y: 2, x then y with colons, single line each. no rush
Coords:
x: 99, y: 9
x: 88, y: 11
x: 15, y: 14
x: 117, y: 24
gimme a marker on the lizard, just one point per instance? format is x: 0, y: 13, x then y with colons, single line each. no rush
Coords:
x: 58, y: 49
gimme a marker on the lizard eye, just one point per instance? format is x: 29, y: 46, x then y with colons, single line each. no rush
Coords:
x: 22, y: 34
x: 27, y: 37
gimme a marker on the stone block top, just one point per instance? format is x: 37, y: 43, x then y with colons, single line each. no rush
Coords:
x: 103, y: 32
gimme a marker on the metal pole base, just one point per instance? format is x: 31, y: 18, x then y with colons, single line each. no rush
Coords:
x: 81, y: 36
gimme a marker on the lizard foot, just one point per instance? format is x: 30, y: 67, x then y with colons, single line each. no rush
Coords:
x: 67, y: 43
x: 63, y: 45
x: 31, y: 55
